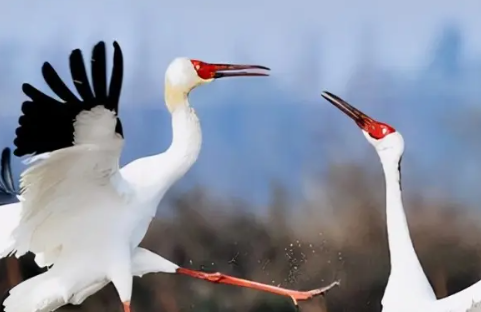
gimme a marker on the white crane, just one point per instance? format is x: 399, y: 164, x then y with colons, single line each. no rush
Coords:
x: 408, y: 288
x: 78, y: 210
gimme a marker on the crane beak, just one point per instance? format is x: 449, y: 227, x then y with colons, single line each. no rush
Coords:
x: 361, y: 119
x: 377, y: 130
x: 231, y: 70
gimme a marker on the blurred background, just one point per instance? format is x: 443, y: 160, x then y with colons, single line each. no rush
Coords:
x: 286, y: 190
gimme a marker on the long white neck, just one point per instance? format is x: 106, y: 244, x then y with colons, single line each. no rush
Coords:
x: 407, y: 277
x: 153, y: 176
x: 186, y: 142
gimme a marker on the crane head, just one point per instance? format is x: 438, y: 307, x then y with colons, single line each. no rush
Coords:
x: 382, y: 136
x: 185, y: 74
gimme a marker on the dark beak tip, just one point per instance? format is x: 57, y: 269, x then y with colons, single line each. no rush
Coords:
x: 327, y: 94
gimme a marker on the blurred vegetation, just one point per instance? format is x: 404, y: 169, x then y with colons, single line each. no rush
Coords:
x: 338, y: 234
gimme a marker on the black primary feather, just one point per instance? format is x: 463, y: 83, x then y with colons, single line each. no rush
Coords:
x: 6, y: 171
x: 8, y: 193
x: 47, y: 124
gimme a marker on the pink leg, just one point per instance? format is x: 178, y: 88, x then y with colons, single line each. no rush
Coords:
x: 220, y: 278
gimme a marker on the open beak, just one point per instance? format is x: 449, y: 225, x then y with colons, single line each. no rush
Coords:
x: 361, y: 119
x: 230, y: 70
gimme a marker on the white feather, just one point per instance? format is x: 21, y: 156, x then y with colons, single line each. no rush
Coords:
x: 143, y: 262
x: 9, y: 220
x: 42, y: 293
x: 34, y: 159
x: 81, y: 214
x: 59, y: 190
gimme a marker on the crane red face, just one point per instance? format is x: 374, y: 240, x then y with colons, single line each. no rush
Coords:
x: 376, y: 129
x: 213, y: 71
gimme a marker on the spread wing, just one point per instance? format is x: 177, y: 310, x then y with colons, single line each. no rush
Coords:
x: 48, y: 124
x: 75, y: 144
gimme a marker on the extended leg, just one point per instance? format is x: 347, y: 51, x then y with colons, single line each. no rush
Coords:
x: 220, y: 278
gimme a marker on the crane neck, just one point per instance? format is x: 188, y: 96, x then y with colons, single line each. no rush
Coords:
x: 186, y: 137
x: 407, y: 275
x: 152, y: 176
x: 400, y: 243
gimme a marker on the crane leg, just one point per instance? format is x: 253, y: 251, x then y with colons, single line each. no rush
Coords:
x: 126, y: 306
x: 220, y: 278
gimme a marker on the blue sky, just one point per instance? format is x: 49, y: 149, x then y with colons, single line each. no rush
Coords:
x: 270, y: 32
x: 310, y: 45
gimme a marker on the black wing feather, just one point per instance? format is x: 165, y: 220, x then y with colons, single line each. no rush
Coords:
x: 6, y: 171
x: 8, y: 193
x: 56, y: 84
x: 47, y: 124
x: 116, y: 81
x: 36, y: 95
x: 3, y: 187
x: 99, y: 72
x: 79, y: 76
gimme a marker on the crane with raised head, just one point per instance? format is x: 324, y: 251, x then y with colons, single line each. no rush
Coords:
x: 408, y: 288
x: 80, y: 211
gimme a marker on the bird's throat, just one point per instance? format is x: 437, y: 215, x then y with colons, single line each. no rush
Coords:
x: 175, y: 98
